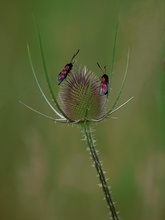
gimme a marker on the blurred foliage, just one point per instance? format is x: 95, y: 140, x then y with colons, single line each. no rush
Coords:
x: 45, y: 171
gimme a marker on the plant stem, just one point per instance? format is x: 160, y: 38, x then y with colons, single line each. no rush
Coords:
x: 99, y: 169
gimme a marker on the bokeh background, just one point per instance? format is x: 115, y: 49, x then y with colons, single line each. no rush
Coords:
x: 45, y: 170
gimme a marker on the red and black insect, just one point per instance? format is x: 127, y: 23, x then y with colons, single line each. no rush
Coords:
x: 63, y: 74
x: 104, y: 82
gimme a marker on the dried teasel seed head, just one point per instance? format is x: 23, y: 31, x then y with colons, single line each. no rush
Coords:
x: 79, y: 96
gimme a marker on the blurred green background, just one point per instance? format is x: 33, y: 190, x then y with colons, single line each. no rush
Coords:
x: 45, y: 170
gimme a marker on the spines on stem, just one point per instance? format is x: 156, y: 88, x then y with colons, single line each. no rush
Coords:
x: 99, y: 169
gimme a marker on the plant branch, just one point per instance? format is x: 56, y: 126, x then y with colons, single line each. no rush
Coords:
x: 90, y: 142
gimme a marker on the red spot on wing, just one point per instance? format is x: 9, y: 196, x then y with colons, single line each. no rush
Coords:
x: 68, y: 67
x: 104, y: 85
x: 63, y: 74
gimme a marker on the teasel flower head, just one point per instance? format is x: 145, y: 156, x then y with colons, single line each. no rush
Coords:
x: 79, y: 96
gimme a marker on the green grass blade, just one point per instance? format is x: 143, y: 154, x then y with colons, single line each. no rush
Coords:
x: 45, y: 70
x: 116, y: 109
x: 113, y: 54
x: 113, y: 60
x: 40, y: 113
x: 122, y: 86
x: 34, y: 74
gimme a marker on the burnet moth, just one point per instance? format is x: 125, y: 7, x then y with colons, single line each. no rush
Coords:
x: 104, y: 82
x: 63, y: 74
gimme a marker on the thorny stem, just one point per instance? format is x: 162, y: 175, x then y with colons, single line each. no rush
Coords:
x: 99, y: 169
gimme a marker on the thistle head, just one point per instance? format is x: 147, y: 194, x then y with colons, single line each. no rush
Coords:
x: 79, y: 96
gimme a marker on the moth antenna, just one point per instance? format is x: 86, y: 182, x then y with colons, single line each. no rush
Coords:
x: 101, y: 68
x: 74, y: 55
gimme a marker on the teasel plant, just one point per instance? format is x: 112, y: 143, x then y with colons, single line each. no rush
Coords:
x: 80, y: 102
